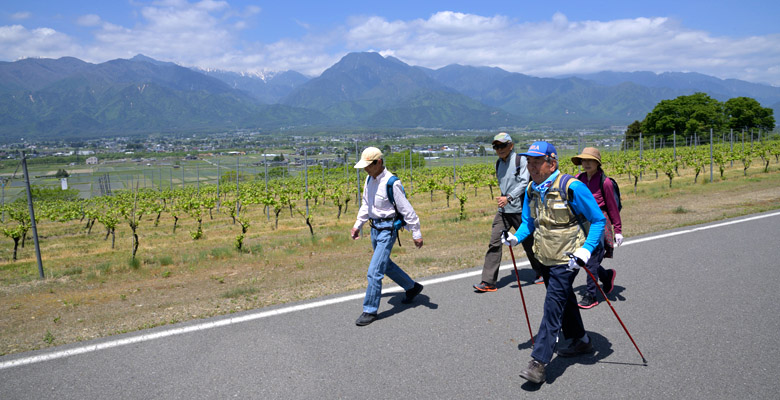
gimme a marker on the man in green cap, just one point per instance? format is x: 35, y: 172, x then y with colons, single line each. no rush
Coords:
x: 513, y: 178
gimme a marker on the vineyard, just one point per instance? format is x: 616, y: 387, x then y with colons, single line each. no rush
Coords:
x: 321, y: 195
x: 252, y: 242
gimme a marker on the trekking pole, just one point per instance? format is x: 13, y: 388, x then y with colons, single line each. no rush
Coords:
x: 517, y: 275
x: 582, y: 264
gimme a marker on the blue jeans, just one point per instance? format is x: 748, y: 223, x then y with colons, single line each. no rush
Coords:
x: 382, y: 240
x: 560, y: 312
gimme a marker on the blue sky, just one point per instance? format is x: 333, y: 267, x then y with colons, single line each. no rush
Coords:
x: 727, y: 39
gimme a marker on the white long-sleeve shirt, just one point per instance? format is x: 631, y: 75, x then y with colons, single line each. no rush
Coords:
x: 376, y: 204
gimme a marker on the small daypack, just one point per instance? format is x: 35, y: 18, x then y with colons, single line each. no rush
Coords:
x: 398, y: 222
x: 615, y: 190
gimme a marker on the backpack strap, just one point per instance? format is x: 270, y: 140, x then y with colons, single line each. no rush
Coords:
x: 601, y: 188
x: 390, y: 194
x: 398, y: 222
x: 517, y: 169
x: 564, y: 188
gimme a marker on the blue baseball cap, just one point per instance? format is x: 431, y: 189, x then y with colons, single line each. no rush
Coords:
x: 541, y: 149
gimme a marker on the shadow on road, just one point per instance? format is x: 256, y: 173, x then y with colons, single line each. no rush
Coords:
x: 527, y: 277
x: 558, y: 365
x: 615, y: 295
x: 395, y: 300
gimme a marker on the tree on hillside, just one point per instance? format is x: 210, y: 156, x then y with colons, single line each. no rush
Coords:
x: 397, y: 161
x: 632, y: 132
x: 685, y: 115
x: 746, y: 113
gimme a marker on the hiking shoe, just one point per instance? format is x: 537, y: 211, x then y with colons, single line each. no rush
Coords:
x: 610, y: 283
x: 539, y: 279
x: 411, y: 293
x: 485, y: 287
x: 588, y: 301
x: 534, y: 372
x: 365, y: 319
x: 576, y: 348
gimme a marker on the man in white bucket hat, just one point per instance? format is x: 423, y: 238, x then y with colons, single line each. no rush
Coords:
x: 378, y: 209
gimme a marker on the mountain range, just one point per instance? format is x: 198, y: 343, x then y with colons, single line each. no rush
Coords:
x: 67, y: 97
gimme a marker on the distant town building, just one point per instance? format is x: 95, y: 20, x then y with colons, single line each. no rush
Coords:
x: 92, y: 161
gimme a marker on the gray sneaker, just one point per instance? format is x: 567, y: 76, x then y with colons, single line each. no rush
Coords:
x: 576, y: 348
x: 534, y: 372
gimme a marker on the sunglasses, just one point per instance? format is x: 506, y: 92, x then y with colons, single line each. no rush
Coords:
x: 500, y: 146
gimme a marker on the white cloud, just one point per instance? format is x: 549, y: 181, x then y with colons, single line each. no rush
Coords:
x: 560, y: 46
x: 88, y: 20
x: 18, y: 42
x: 211, y: 34
x: 18, y: 16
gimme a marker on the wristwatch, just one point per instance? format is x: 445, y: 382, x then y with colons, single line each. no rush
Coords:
x: 509, y: 198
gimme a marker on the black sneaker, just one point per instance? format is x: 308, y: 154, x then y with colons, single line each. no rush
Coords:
x: 365, y: 319
x: 576, y: 348
x: 534, y: 372
x: 610, y: 283
x: 587, y: 302
x: 411, y: 293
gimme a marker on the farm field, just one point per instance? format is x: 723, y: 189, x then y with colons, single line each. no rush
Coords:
x: 93, y: 290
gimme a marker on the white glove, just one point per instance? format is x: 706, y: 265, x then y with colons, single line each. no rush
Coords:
x: 581, y: 253
x: 618, y: 239
x: 509, y: 240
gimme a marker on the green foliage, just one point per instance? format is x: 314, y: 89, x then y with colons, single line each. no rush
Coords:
x: 632, y: 132
x: 61, y: 173
x: 134, y: 263
x: 685, y: 114
x: 230, y: 177
x: 746, y: 113
x: 41, y: 193
x: 397, y: 161
x: 462, y: 214
x: 273, y: 172
x: 48, y: 338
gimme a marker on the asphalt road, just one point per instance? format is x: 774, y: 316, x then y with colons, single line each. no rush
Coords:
x: 700, y: 302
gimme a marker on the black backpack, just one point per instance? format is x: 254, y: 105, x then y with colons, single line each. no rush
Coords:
x: 615, y: 190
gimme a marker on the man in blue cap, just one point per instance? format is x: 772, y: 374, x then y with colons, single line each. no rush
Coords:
x: 563, y: 216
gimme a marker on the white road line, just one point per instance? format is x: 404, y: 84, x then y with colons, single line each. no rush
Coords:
x: 285, y: 310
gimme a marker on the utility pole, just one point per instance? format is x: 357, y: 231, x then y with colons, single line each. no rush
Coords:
x: 306, y: 177
x: 4, y: 181
x: 32, y: 216
x: 267, y: 208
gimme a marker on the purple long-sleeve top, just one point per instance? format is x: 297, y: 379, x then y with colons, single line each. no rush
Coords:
x: 607, y: 198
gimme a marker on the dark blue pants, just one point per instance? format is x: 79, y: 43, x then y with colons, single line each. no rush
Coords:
x: 560, y: 312
x: 595, y: 268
